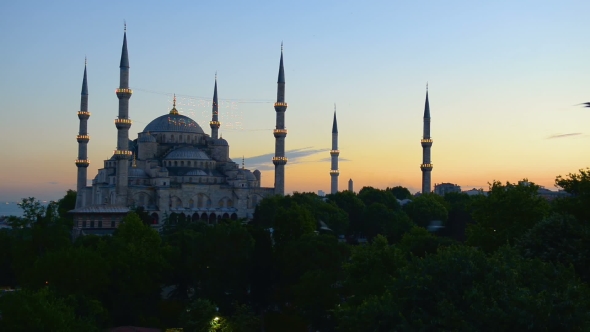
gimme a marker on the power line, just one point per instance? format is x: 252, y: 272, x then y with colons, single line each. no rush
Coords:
x: 242, y: 101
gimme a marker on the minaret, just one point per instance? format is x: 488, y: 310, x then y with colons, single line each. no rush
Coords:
x: 215, y: 124
x: 426, y: 144
x: 279, y: 160
x: 123, y: 123
x: 350, y: 186
x: 82, y: 138
x: 334, y: 173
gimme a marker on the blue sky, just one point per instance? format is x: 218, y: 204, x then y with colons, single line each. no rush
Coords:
x: 504, y: 77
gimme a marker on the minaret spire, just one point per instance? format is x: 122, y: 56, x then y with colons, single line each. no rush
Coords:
x: 215, y: 124
x: 123, y: 123
x: 280, y: 132
x: 334, y: 153
x: 426, y: 143
x: 83, y: 138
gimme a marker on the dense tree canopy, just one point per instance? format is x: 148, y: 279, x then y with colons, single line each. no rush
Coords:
x: 506, y: 213
x: 344, y: 262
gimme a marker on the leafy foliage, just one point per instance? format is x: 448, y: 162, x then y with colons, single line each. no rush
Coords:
x: 505, y: 214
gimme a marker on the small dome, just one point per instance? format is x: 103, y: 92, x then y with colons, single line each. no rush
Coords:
x: 197, y: 172
x: 220, y: 142
x: 247, y: 174
x: 146, y: 137
x: 135, y: 172
x: 187, y: 152
x: 175, y: 123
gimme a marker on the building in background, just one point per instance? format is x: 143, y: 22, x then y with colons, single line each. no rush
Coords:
x: 444, y: 188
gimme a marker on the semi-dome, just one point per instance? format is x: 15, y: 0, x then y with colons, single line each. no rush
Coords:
x: 187, y: 152
x: 220, y: 142
x: 135, y: 172
x: 146, y: 137
x: 175, y: 123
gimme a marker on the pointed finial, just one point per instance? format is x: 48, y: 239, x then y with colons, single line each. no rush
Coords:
x: 173, y: 111
x: 216, y: 75
x: 243, y: 162
x: 124, y: 26
x: 281, y: 45
x: 85, y: 60
x: 334, y: 108
x: 426, y: 86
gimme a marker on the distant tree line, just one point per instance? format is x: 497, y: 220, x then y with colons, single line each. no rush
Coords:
x: 509, y: 260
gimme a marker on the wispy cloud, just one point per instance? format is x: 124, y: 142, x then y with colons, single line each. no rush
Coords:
x: 563, y: 135
x: 263, y: 162
x: 53, y: 182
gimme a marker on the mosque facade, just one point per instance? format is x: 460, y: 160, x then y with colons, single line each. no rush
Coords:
x: 172, y: 167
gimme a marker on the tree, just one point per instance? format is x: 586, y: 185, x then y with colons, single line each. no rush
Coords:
x: 461, y: 289
x: 578, y: 186
x: 400, y: 192
x: 425, y: 209
x: 505, y: 214
x: 222, y: 255
x: 378, y: 219
x: 41, y: 310
x: 70, y: 271
x: 370, y: 269
x: 560, y: 239
x: 136, y: 256
x: 419, y: 242
x: 308, y: 271
x: 353, y: 206
x: 66, y: 204
x: 460, y: 208
x: 370, y: 195
x: 201, y: 316
x: 292, y: 223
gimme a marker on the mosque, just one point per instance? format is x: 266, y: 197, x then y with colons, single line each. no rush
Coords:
x: 172, y: 167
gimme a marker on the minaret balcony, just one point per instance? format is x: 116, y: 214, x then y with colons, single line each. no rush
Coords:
x: 82, y: 138
x: 426, y: 142
x: 122, y: 154
x: 123, y: 123
x: 280, y: 104
x: 83, y: 115
x: 124, y: 91
x: 426, y: 167
x: 215, y: 124
x: 82, y: 162
x: 280, y: 132
x: 334, y: 172
x: 335, y: 152
x: 279, y: 160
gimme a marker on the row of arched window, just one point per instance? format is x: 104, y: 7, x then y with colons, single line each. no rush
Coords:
x: 189, y: 163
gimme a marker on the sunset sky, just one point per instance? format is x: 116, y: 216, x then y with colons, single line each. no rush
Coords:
x: 504, y: 80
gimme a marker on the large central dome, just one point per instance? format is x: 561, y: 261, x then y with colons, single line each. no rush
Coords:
x: 174, y: 122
